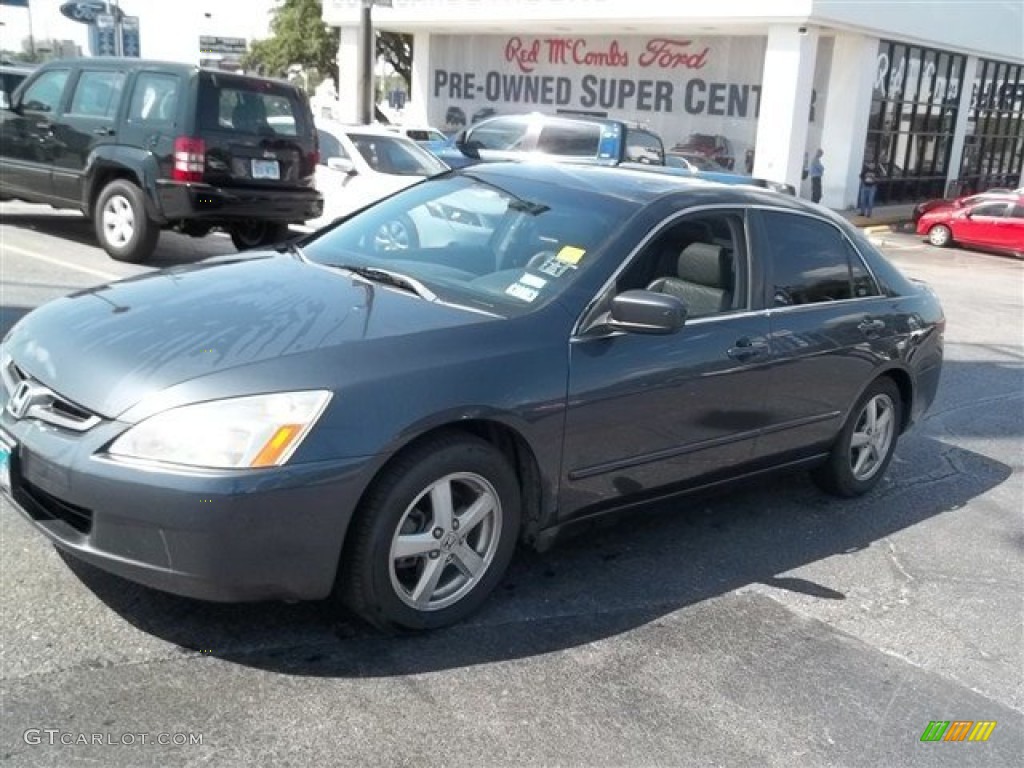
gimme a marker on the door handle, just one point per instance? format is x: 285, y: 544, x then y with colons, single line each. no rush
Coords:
x: 747, y: 349
x: 104, y: 131
x: 871, y: 327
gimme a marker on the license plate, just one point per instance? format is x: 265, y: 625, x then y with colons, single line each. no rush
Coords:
x: 6, y: 449
x: 266, y: 169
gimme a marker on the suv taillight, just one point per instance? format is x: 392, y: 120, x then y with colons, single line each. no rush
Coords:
x: 189, y: 159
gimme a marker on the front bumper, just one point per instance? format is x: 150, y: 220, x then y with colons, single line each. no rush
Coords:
x: 215, y: 535
x: 180, y: 201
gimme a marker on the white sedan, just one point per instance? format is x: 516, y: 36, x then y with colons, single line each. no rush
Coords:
x: 360, y: 164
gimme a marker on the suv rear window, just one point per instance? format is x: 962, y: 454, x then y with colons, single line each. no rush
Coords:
x: 569, y: 138
x: 250, y: 107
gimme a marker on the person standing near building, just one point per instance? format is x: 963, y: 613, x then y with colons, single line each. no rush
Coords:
x: 817, y: 170
x: 866, y: 196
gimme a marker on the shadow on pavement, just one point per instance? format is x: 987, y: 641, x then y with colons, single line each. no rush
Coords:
x: 172, y: 248
x: 604, y: 582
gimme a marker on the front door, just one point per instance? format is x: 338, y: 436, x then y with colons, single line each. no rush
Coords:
x: 653, y: 411
x: 28, y: 136
x: 982, y: 224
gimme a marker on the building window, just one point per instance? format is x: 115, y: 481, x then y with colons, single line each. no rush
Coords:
x: 913, y: 115
x: 994, y: 145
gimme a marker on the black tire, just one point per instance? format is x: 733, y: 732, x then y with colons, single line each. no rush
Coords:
x: 380, y: 587
x: 838, y: 475
x: 124, y: 230
x: 397, y: 235
x: 940, y: 236
x: 247, y: 235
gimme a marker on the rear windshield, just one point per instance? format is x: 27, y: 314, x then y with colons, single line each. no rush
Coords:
x: 259, y: 107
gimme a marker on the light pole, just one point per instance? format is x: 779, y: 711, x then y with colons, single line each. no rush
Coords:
x: 366, y: 55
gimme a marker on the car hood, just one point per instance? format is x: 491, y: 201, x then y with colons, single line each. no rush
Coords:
x: 108, y: 347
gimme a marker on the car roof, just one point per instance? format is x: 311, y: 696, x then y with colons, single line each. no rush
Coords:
x: 639, y: 186
x: 368, y: 130
x: 180, y: 67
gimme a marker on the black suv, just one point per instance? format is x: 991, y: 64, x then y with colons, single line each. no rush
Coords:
x: 141, y: 146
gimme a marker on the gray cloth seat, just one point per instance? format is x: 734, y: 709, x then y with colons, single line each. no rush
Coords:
x: 704, y: 279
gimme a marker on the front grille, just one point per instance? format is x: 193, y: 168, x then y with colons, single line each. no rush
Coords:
x: 45, y: 506
x: 46, y: 405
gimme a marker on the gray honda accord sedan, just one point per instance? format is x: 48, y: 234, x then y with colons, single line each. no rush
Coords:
x: 381, y: 412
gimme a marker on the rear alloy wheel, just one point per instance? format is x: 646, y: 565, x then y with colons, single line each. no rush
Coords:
x: 940, y: 236
x: 433, y: 537
x: 253, y: 233
x: 865, y: 446
x: 121, y: 224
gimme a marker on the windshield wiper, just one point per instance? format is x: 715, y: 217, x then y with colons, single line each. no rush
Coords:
x: 394, y: 279
x: 517, y: 203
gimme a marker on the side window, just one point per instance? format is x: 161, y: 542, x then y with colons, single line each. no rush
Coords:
x: 864, y: 284
x: 330, y: 147
x: 503, y: 133
x: 97, y: 94
x: 644, y: 147
x: 45, y: 93
x: 812, y: 262
x: 1017, y: 212
x: 569, y: 138
x: 155, y: 99
x: 699, y: 259
x: 990, y: 209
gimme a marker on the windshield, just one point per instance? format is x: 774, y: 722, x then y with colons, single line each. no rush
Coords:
x: 395, y: 156
x: 472, y: 243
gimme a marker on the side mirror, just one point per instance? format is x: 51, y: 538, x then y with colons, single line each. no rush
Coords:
x: 468, y: 148
x: 647, y: 312
x: 342, y: 165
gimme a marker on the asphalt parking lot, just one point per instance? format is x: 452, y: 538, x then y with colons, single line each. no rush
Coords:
x: 770, y: 627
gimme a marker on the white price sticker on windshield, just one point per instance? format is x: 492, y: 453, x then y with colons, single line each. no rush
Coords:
x: 520, y: 291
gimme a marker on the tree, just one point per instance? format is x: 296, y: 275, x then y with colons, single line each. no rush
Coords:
x: 301, y: 37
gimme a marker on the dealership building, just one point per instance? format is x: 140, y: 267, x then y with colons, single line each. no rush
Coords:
x: 931, y: 93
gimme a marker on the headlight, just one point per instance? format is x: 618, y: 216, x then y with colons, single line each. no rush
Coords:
x: 257, y: 431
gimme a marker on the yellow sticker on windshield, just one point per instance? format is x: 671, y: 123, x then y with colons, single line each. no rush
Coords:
x: 570, y: 254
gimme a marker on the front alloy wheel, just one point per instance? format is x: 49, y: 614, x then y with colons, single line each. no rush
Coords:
x: 397, y: 235
x: 445, y: 542
x: 433, y: 536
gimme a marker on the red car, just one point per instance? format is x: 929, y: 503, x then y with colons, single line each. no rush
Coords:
x: 957, y: 202
x: 992, y: 223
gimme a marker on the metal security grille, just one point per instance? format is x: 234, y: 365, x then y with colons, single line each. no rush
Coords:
x: 913, y: 115
x: 994, y: 146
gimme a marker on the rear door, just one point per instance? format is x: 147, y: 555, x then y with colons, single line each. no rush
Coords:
x: 1015, y: 230
x: 831, y: 328
x: 258, y: 133
x: 89, y: 121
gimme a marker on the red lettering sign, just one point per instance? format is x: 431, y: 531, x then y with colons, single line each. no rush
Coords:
x: 672, y: 54
x: 524, y: 56
x: 659, y: 52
